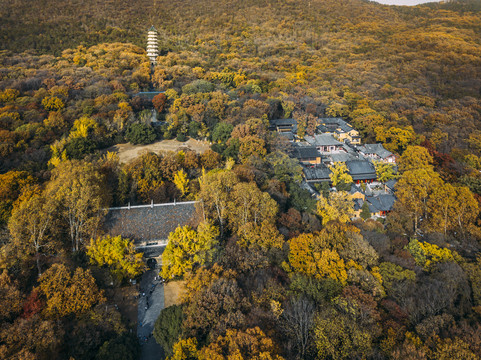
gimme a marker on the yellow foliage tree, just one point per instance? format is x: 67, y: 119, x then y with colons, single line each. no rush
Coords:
x: 251, y: 344
x: 82, y: 127
x: 185, y: 349
x: 118, y: 254
x: 52, y: 103
x: 339, y: 174
x: 69, y: 294
x: 308, y: 256
x: 188, y: 249
x: 427, y: 255
x: 31, y: 217
x: 181, y: 181
x: 77, y: 188
x: 9, y: 95
x: 338, y: 206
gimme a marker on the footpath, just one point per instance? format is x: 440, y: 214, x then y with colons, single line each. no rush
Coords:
x: 150, y: 303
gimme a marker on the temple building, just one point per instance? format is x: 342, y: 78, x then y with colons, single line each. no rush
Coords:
x: 152, y: 45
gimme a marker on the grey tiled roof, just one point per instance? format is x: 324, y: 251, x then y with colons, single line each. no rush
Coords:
x: 340, y: 157
x: 377, y: 149
x: 305, y: 152
x: 383, y: 202
x: 322, y: 140
x: 390, y: 184
x: 361, y: 169
x: 283, y: 122
x: 147, y: 223
x: 355, y: 189
x: 331, y: 124
x: 317, y: 173
x: 288, y: 135
x: 358, y: 204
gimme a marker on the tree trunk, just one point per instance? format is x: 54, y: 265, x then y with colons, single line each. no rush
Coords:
x: 37, y: 258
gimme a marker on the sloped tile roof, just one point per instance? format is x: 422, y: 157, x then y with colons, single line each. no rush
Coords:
x: 322, y: 140
x: 390, y: 184
x: 340, y: 157
x: 288, y: 135
x: 361, y: 169
x: 331, y: 124
x: 305, y: 152
x: 283, y: 122
x: 377, y: 149
x: 383, y: 202
x: 148, y: 223
x: 317, y: 173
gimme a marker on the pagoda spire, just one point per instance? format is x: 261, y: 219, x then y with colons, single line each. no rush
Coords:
x: 152, y: 45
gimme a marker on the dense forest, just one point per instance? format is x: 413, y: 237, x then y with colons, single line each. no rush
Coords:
x: 271, y: 272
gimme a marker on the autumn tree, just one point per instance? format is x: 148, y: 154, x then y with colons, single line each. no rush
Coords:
x: 215, y: 189
x: 251, y: 146
x: 53, y: 103
x: 159, y: 101
x: 118, y: 254
x: 66, y: 293
x: 33, y: 338
x: 185, y: 349
x: 415, y: 157
x: 338, y: 206
x: 310, y: 254
x: 301, y: 119
x: 393, y: 274
x: 396, y: 139
x: 339, y: 174
x: 466, y: 208
x: 249, y: 344
x: 249, y: 204
x: 385, y: 171
x: 263, y: 236
x: 77, y: 188
x: 188, y: 249
x: 338, y: 336
x: 215, y: 308
x: 297, y: 321
x: 144, y: 176
x: 181, y: 181
x: 29, y: 225
x: 10, y: 297
x: 413, y: 190
x: 210, y: 159
x: 12, y: 184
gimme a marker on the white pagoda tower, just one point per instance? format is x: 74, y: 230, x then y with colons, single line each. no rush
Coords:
x: 152, y: 45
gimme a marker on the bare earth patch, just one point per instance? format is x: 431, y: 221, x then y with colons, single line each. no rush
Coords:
x: 173, y: 292
x: 128, y: 152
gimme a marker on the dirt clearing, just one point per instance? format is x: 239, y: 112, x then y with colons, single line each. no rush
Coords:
x: 128, y: 152
x: 173, y: 292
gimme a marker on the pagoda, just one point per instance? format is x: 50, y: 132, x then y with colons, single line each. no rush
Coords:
x: 152, y: 45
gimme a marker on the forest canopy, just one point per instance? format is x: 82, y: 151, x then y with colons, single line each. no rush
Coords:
x: 275, y: 269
